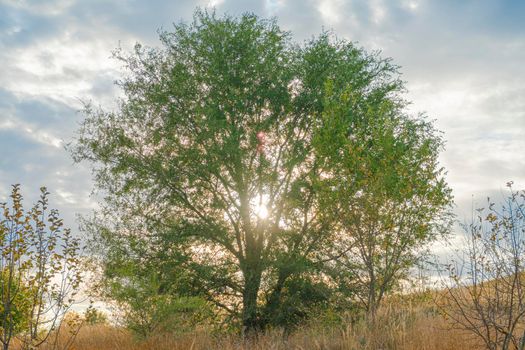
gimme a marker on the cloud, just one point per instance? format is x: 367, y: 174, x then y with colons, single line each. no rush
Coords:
x: 32, y: 135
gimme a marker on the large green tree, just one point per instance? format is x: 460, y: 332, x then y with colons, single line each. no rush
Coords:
x: 213, y: 165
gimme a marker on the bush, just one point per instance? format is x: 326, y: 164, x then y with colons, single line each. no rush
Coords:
x: 486, y: 291
x: 41, y: 271
x: 93, y: 317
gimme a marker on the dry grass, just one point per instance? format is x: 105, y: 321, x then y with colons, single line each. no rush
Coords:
x: 402, y: 327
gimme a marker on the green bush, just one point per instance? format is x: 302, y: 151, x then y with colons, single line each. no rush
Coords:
x: 17, y: 317
x: 94, y: 316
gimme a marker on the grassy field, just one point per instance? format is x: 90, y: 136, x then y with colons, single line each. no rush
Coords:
x: 403, y: 327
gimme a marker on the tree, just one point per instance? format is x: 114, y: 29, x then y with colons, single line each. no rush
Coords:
x: 382, y: 188
x: 41, y: 271
x: 210, y: 159
x: 485, y: 294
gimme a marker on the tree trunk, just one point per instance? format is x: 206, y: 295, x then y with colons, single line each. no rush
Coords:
x: 273, y: 302
x: 250, y: 317
x: 372, y: 302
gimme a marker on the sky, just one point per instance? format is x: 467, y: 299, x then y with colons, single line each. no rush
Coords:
x: 463, y: 63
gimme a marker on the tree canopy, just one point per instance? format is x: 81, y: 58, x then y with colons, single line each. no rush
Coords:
x: 258, y: 174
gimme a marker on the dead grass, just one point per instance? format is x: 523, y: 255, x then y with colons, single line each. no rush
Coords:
x: 398, y: 327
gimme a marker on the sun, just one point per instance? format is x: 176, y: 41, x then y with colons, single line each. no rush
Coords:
x: 259, y: 206
x: 261, y: 211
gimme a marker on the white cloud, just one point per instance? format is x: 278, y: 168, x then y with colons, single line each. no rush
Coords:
x: 215, y: 3
x: 330, y: 10
x: 378, y: 11
x: 41, y: 7
x: 63, y: 68
x: 35, y: 134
